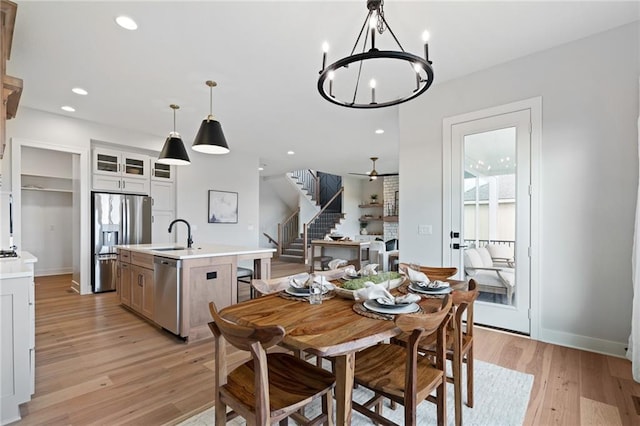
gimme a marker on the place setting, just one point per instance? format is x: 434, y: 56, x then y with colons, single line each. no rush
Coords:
x: 303, y: 286
x: 421, y: 284
x: 375, y: 301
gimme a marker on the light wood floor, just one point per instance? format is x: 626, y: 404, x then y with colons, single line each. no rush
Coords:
x: 96, y: 362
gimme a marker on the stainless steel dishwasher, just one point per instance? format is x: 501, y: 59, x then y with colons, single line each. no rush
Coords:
x: 166, y: 277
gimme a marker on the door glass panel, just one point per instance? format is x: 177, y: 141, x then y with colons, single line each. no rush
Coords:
x: 107, y: 163
x: 162, y: 170
x: 490, y: 213
x: 134, y: 167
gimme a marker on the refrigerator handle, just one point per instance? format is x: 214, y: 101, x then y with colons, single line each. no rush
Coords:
x: 125, y: 239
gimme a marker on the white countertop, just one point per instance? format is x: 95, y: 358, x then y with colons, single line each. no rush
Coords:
x: 198, y: 250
x: 16, y: 267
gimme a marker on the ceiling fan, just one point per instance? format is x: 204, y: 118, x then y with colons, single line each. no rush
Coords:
x: 373, y: 174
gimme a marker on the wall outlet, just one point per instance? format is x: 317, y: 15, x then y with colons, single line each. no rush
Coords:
x: 425, y: 229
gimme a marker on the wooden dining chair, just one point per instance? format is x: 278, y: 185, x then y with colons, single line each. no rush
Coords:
x: 270, y: 387
x: 459, y: 344
x: 401, y: 373
x: 432, y: 272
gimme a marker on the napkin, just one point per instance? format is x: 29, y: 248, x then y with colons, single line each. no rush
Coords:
x: 350, y: 271
x: 324, y: 282
x: 433, y: 284
x: 327, y: 238
x: 417, y: 277
x: 399, y: 300
x: 336, y: 263
x: 372, y: 291
x: 300, y: 281
x: 304, y: 281
x: 369, y: 269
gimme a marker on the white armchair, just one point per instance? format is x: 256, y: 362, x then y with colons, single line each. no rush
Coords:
x: 479, y: 265
x: 378, y: 254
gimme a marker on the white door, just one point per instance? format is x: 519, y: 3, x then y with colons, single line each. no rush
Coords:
x: 488, y: 236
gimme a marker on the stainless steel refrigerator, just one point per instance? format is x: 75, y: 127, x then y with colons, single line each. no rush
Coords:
x: 116, y: 219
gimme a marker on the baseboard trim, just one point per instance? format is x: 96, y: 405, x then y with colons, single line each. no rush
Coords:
x: 47, y: 272
x: 591, y: 344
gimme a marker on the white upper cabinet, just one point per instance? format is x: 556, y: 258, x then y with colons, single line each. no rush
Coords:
x: 162, y: 172
x: 124, y: 164
x: 118, y: 171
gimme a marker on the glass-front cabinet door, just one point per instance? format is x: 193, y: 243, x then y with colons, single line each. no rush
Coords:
x: 106, y: 162
x: 162, y: 172
x: 135, y: 165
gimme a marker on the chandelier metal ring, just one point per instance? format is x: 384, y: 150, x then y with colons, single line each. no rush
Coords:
x: 377, y: 23
x: 377, y: 54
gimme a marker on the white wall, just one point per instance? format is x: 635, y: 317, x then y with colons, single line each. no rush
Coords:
x: 350, y: 199
x: 589, y: 170
x: 277, y: 201
x: 234, y: 172
x: 48, y: 230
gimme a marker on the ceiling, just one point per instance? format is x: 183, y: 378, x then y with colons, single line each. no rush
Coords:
x: 265, y: 57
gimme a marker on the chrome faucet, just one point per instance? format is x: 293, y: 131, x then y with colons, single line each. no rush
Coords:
x: 189, y: 240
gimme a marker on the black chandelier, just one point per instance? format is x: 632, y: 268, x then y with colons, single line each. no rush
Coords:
x: 419, y: 71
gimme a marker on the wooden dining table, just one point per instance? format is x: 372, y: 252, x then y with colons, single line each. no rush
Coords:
x: 331, y: 329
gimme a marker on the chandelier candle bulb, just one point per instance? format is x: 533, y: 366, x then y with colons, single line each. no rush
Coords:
x: 425, y: 39
x: 325, y: 49
x: 372, y: 84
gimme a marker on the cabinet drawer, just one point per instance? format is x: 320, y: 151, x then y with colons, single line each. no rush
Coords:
x: 124, y: 256
x: 142, y: 259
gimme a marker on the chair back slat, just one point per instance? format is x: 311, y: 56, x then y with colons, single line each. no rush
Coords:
x: 428, y: 323
x: 432, y: 272
x: 242, y: 337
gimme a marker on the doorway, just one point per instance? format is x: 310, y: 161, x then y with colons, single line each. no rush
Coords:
x: 488, y: 185
x: 74, y: 185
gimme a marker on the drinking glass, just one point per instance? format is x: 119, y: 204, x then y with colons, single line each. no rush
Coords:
x: 315, y: 291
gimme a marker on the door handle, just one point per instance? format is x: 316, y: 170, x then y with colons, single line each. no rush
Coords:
x: 457, y: 246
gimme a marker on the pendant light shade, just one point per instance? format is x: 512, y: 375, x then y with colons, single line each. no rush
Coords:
x: 173, y: 152
x: 210, y: 139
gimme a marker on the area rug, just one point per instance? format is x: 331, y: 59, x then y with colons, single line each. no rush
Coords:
x: 501, y: 399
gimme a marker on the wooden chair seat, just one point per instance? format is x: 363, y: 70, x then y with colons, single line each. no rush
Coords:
x: 383, y: 367
x: 286, y: 390
x: 268, y: 388
x: 401, y: 374
x: 458, y: 345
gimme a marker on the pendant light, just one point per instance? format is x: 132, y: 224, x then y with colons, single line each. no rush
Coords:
x: 173, y: 152
x: 210, y: 139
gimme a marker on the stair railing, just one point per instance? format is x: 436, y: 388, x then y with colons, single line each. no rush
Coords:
x: 305, y: 227
x: 288, y: 230
x: 310, y: 183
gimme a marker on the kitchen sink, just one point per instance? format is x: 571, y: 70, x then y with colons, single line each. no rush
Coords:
x: 167, y: 248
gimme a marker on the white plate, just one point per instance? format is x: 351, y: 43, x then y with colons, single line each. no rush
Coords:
x: 302, y: 292
x: 424, y: 290
x: 374, y: 306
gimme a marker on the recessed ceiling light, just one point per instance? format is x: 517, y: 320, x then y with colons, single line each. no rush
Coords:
x: 68, y: 108
x: 79, y: 91
x: 260, y: 168
x: 290, y: 152
x: 379, y: 131
x: 126, y: 23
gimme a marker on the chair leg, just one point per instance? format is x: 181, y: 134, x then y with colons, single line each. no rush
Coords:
x: 284, y: 422
x: 327, y: 408
x: 457, y: 386
x: 441, y: 402
x: 470, y: 377
x: 221, y: 412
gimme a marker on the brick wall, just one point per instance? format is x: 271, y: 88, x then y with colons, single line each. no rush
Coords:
x: 391, y: 185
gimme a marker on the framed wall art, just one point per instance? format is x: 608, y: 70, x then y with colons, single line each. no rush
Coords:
x: 223, y: 207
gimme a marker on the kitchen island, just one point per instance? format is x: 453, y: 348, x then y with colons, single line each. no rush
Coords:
x: 172, y: 285
x: 17, y: 334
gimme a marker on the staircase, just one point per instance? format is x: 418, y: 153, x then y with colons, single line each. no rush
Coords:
x: 324, y: 224
x: 293, y: 245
